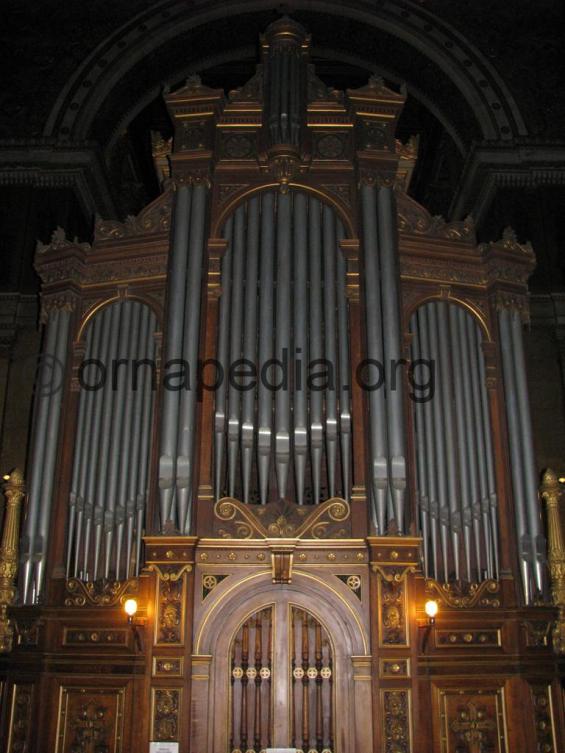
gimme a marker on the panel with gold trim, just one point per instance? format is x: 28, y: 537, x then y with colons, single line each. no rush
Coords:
x: 165, y: 712
x: 459, y: 638
x: 394, y: 667
x: 396, y: 710
x: 393, y: 627
x: 544, y: 718
x: 170, y: 610
x: 472, y: 720
x: 90, y: 719
x: 168, y: 666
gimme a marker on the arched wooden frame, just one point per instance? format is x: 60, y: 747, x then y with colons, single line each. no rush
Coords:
x: 332, y: 605
x: 95, y: 308
x: 472, y: 309
x: 235, y: 201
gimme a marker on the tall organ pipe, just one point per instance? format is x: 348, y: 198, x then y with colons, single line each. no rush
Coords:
x: 527, y: 446
x: 145, y: 437
x: 480, y: 436
x: 441, y: 450
x: 76, y: 500
x: 508, y: 365
x: 50, y: 453
x: 390, y: 277
x: 108, y: 409
x: 300, y: 342
x: 173, y: 348
x: 344, y: 368
x: 249, y: 342
x: 185, y: 447
x: 421, y: 461
x: 316, y: 344
x: 462, y: 428
x: 377, y: 406
x: 330, y: 343
x: 39, y: 445
x: 220, y: 417
x: 95, y: 453
x: 116, y: 432
x: 236, y: 320
x: 265, y: 399
x: 445, y: 382
x: 493, y: 501
x: 429, y: 443
x: 135, y: 349
x: 282, y: 341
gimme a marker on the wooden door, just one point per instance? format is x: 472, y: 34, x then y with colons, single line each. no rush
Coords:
x: 281, y: 682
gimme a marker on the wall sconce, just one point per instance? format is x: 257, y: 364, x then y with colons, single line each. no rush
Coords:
x: 431, y: 609
x: 130, y: 608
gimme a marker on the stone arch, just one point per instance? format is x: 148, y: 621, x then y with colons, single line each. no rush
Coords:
x: 480, y: 85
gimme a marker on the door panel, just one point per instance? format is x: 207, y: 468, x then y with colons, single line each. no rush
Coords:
x: 281, y: 682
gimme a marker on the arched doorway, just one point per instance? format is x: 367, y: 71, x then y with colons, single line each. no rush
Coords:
x: 281, y: 666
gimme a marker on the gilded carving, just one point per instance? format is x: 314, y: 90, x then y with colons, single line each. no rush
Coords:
x: 165, y: 713
x: 155, y: 218
x: 396, y: 714
x: 170, y: 611
x: 100, y: 593
x: 415, y: 219
x: 550, y: 491
x: 20, y: 726
x: 168, y: 666
x: 485, y: 594
x: 537, y: 633
x: 209, y: 583
x: 14, y: 491
x: 392, y: 604
x: 394, y: 668
x: 282, y: 520
x: 473, y: 720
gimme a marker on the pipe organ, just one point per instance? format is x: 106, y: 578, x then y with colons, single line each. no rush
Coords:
x: 282, y: 408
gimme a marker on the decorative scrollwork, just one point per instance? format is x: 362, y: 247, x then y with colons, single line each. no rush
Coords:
x: 100, y: 593
x: 282, y: 520
x: 485, y: 594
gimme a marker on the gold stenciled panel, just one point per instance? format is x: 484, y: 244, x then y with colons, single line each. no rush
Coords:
x: 90, y: 719
x: 472, y: 720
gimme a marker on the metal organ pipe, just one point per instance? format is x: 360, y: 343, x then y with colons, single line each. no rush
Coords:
x: 46, y: 430
x: 527, y: 446
x: 422, y: 498
x: 440, y: 445
x: 236, y: 321
x: 330, y: 343
x: 249, y: 342
x: 283, y: 341
x: 480, y: 440
x: 316, y: 343
x: 377, y: 406
x: 446, y: 387
x: 344, y: 376
x: 301, y: 318
x: 300, y: 342
x: 510, y: 391
x: 173, y: 348
x: 493, y: 501
x: 185, y: 447
x: 390, y: 277
x: 463, y: 452
x: 265, y: 398
x: 429, y: 459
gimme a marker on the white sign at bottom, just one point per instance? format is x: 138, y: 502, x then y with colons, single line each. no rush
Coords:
x: 163, y: 748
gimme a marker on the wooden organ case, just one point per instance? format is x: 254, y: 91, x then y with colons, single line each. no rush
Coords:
x: 280, y: 530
